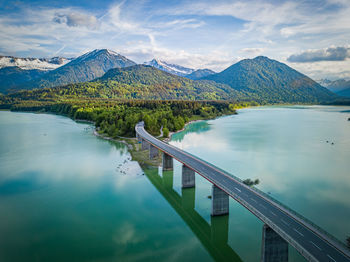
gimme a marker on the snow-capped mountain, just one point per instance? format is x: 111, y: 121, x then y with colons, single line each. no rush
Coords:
x: 107, y: 59
x: 84, y: 68
x: 34, y: 63
x: 170, y: 68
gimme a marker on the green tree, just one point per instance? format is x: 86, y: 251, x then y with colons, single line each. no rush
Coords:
x: 165, y: 132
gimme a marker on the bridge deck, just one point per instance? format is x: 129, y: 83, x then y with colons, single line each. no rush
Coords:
x: 313, y: 245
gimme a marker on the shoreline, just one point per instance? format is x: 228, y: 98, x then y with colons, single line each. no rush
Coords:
x: 168, y: 139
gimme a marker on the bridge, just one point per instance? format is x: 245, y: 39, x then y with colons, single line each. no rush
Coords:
x: 281, y: 224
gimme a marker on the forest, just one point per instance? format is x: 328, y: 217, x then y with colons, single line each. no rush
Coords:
x: 115, y: 117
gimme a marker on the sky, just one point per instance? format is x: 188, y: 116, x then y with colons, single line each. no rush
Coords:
x: 312, y: 36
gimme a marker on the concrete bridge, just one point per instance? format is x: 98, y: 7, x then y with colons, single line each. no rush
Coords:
x: 281, y: 224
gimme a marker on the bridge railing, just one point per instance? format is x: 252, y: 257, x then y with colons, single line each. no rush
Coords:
x: 317, y: 229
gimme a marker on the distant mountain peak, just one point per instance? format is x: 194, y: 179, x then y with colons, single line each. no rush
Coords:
x: 30, y: 63
x: 170, y: 68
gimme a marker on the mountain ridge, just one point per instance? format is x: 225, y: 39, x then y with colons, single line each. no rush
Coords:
x: 270, y: 80
x: 84, y: 68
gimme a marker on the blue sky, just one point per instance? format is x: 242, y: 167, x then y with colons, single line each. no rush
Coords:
x: 310, y: 36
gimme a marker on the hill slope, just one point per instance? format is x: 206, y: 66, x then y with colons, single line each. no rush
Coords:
x: 13, y: 77
x: 200, y: 73
x: 84, y: 68
x: 147, y: 82
x: 138, y: 82
x: 268, y: 80
x: 344, y: 92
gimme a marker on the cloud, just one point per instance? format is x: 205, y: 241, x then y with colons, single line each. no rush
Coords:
x: 340, y: 53
x: 254, y: 51
x: 76, y: 20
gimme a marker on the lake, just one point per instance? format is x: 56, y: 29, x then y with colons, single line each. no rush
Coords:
x: 67, y: 195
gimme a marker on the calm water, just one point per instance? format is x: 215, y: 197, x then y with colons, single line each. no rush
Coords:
x: 287, y: 149
x: 66, y: 195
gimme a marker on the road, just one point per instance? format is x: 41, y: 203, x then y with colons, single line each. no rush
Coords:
x: 312, y: 243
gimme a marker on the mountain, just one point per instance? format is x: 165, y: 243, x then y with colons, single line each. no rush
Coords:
x: 84, y: 68
x: 268, y: 80
x: 170, y: 68
x: 344, y: 92
x: 136, y: 82
x: 335, y: 86
x: 200, y: 73
x: 33, y: 63
x: 13, y: 77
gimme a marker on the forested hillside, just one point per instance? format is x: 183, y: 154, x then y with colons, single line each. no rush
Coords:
x: 268, y: 80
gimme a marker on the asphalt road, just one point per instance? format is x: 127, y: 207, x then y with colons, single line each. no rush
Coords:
x: 311, y: 243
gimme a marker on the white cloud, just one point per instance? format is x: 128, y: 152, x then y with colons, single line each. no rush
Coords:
x: 183, y: 33
x: 253, y: 51
x: 76, y: 19
x: 339, y: 53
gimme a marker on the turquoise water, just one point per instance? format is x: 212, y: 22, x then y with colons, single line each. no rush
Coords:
x: 286, y: 148
x: 66, y: 195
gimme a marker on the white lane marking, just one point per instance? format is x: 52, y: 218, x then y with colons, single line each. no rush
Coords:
x: 284, y: 222
x: 331, y: 258
x: 315, y: 245
x: 254, y: 200
x: 238, y: 189
x: 298, y: 232
x: 273, y: 213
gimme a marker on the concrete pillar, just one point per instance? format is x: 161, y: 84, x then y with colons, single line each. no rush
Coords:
x: 274, y: 248
x: 144, y: 144
x: 219, y: 202
x: 139, y: 138
x: 188, y: 177
x: 219, y: 229
x: 167, y: 162
x: 153, y: 152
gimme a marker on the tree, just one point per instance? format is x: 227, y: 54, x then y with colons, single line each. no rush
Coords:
x: 165, y: 132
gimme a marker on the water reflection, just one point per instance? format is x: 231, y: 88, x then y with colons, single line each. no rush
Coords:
x: 197, y: 127
x: 214, y: 237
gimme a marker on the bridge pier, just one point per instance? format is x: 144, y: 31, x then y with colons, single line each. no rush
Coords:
x: 139, y: 138
x: 144, y: 144
x: 167, y: 162
x: 274, y: 247
x: 188, y: 177
x: 153, y: 151
x: 219, y: 202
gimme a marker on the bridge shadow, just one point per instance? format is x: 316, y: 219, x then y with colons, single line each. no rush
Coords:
x: 213, y: 237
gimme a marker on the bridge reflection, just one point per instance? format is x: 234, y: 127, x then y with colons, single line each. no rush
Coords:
x: 214, y: 237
